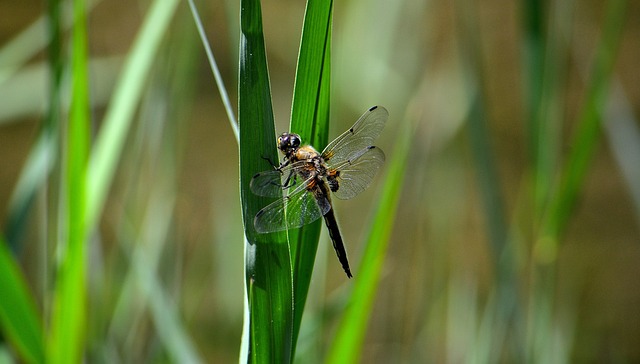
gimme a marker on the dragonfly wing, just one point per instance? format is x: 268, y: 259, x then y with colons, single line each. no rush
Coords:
x: 267, y: 183
x: 356, y: 174
x: 272, y: 183
x: 360, y: 136
x: 292, y: 211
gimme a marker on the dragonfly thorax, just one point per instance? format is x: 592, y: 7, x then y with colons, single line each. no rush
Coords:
x: 313, y: 163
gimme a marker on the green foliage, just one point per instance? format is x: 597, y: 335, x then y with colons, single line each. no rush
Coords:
x: 310, y: 120
x: 589, y: 122
x: 69, y: 302
x: 18, y: 315
x: 66, y: 342
x: 268, y: 335
x: 133, y: 265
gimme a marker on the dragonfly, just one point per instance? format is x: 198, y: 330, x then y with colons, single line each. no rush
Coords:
x: 305, y: 179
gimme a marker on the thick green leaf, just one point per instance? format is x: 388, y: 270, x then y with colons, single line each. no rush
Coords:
x: 18, y: 316
x: 269, y: 291
x: 310, y: 119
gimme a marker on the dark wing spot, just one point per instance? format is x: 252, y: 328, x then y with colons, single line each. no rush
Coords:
x: 373, y: 108
x: 334, y: 185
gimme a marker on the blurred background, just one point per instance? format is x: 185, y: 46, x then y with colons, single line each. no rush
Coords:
x: 496, y: 92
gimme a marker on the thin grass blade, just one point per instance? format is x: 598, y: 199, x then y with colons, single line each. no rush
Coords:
x: 117, y: 121
x: 478, y: 131
x: 214, y: 69
x: 489, y: 182
x: 534, y: 54
x: 42, y: 154
x: 588, y: 132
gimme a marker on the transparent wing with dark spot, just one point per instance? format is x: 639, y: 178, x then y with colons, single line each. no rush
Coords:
x: 356, y: 174
x: 296, y: 209
x: 272, y: 183
x: 359, y: 137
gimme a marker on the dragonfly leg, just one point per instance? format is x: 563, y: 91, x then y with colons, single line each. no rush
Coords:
x: 271, y: 162
x: 290, y: 181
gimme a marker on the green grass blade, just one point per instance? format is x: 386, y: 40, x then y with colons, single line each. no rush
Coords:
x: 533, y: 42
x: 69, y: 309
x: 18, y: 316
x: 42, y: 155
x: 310, y: 119
x: 267, y: 336
x: 35, y: 38
x: 32, y: 177
x: 485, y: 163
x: 543, y: 64
x: 479, y: 134
x: 546, y: 114
x: 587, y: 135
x: 309, y: 112
x: 348, y: 340
x: 214, y: 69
x: 117, y: 121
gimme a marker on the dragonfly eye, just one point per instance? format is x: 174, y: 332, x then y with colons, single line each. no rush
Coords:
x: 295, y: 140
x: 287, y: 142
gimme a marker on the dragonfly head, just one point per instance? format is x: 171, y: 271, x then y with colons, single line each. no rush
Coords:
x: 288, y: 143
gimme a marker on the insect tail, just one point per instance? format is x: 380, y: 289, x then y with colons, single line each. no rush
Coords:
x: 336, y: 238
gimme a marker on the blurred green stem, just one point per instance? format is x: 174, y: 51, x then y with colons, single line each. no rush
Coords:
x: 486, y: 171
x: 587, y: 134
x: 68, y: 329
x: 347, y: 345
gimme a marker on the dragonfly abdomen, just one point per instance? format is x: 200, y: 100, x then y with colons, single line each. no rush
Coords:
x: 336, y: 239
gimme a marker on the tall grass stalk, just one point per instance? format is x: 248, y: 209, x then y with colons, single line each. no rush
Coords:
x: 216, y: 72
x: 268, y: 330
x: 68, y: 322
x: 118, y: 118
x: 69, y: 303
x: 588, y: 127
x: 490, y: 184
x: 563, y: 198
